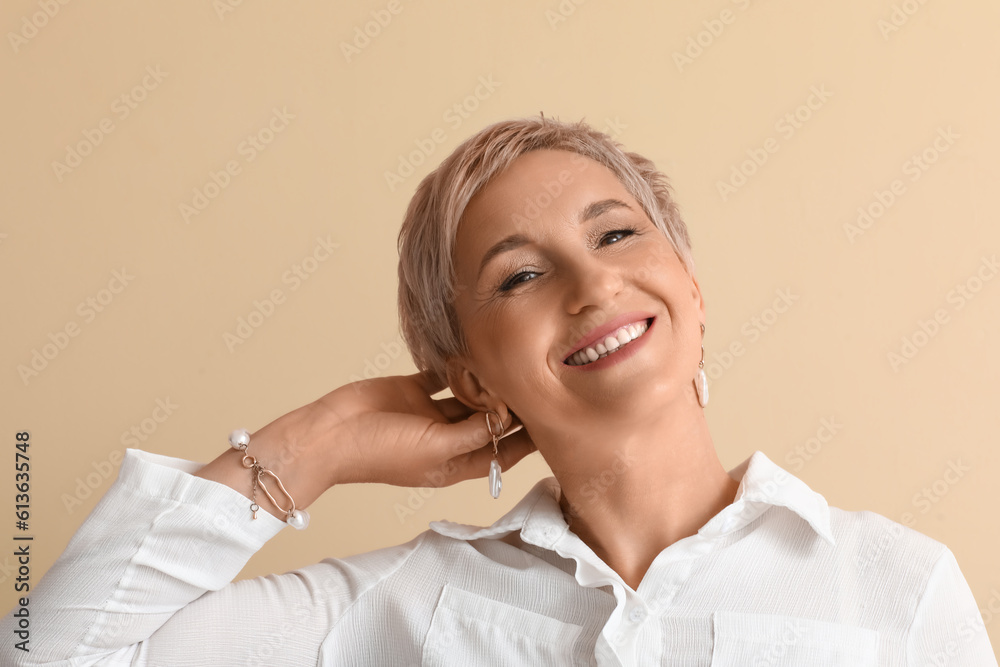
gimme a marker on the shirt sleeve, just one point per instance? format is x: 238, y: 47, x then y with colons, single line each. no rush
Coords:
x: 947, y: 627
x: 158, y: 540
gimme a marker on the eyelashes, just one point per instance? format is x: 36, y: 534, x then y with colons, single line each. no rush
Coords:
x: 512, y: 280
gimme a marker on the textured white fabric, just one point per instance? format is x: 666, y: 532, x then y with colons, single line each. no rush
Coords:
x: 777, y: 578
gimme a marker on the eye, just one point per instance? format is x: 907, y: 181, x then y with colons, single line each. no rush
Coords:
x: 516, y: 279
x: 616, y: 235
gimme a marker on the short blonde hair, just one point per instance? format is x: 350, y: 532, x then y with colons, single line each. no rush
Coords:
x: 427, y: 315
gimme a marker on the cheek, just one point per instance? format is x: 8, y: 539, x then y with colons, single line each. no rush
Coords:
x: 512, y: 349
x: 515, y: 346
x: 488, y: 335
x: 657, y: 261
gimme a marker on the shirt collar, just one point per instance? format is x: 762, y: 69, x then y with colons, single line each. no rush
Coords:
x: 763, y: 485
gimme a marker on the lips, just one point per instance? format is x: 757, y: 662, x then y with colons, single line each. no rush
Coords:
x: 609, y: 337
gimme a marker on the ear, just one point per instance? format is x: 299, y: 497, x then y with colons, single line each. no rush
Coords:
x: 698, y: 298
x: 467, y: 388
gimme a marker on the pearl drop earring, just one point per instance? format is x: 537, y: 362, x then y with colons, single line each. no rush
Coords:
x: 495, y: 482
x: 701, y: 380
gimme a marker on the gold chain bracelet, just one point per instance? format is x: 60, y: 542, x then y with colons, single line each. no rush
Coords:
x: 296, y: 518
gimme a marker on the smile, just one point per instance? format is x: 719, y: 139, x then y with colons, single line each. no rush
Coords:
x: 611, y: 344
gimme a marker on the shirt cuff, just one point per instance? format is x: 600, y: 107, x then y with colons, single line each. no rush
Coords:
x: 158, y: 539
x: 173, y: 479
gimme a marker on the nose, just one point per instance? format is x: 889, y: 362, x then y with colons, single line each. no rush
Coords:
x: 591, y: 282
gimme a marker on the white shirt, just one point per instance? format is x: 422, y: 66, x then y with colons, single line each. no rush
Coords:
x: 776, y: 578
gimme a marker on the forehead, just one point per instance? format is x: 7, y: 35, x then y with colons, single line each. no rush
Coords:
x: 546, y: 177
x: 540, y: 186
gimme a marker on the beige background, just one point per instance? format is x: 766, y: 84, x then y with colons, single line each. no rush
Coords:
x: 894, y: 78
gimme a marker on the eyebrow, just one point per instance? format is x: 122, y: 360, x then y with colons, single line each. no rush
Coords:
x: 591, y: 211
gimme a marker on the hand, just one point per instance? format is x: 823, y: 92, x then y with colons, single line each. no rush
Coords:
x: 388, y: 430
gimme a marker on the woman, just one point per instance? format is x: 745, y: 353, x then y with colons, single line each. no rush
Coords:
x: 546, y: 278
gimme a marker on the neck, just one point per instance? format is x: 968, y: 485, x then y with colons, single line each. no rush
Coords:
x: 630, y: 491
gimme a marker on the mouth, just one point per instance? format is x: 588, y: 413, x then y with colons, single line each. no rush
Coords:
x: 610, y: 344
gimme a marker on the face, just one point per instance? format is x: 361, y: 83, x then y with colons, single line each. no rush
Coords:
x: 552, y: 258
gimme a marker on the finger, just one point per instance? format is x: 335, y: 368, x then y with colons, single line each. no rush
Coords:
x: 514, y: 449
x: 461, y: 437
x: 476, y: 464
x: 509, y: 425
x: 453, y: 409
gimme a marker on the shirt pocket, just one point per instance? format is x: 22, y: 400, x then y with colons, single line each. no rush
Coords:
x: 469, y: 629
x: 762, y: 640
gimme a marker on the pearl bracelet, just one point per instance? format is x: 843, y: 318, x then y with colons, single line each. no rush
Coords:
x: 298, y: 519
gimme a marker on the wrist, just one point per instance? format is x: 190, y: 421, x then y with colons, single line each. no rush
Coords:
x: 265, y: 483
x: 297, y: 447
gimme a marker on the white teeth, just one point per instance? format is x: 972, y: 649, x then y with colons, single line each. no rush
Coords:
x: 621, y: 337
